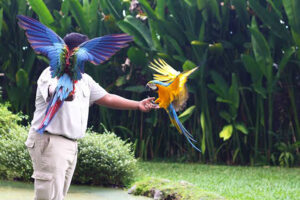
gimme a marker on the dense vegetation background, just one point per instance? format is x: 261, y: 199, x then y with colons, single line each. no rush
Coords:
x: 247, y: 88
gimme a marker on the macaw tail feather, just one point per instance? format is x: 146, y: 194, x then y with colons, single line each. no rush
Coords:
x: 51, y: 111
x: 64, y: 88
x: 175, y: 120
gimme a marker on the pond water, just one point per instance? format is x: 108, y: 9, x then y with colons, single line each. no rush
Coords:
x: 24, y: 191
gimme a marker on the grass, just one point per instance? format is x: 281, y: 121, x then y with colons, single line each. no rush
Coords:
x: 231, y: 182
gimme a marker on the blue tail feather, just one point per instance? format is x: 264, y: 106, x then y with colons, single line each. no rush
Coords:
x: 188, y: 136
x: 62, y: 91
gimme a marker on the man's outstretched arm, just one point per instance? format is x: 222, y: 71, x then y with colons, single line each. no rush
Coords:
x: 118, y: 102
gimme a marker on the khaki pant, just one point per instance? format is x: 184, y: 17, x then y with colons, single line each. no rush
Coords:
x: 54, y: 160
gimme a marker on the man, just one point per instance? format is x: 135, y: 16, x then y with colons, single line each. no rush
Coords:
x: 54, y: 153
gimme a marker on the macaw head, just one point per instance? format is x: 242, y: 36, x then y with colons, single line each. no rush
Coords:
x: 152, y: 85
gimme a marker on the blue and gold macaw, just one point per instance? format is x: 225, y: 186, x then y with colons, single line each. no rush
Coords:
x: 172, y: 92
x: 66, y: 64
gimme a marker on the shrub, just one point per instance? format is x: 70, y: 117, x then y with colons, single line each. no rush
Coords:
x: 8, y: 121
x: 15, y: 161
x: 104, y: 159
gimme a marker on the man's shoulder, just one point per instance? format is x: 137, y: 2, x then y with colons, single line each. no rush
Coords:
x: 87, y: 78
x: 45, y: 75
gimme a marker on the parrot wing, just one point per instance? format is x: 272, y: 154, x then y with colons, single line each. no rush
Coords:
x: 44, y: 41
x: 98, y: 50
x: 176, y: 122
x: 182, y: 94
x: 166, y: 72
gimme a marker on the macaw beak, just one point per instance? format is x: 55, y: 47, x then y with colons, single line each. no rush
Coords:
x: 147, y: 87
x: 151, y: 86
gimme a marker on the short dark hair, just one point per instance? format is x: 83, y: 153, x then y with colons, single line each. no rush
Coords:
x: 75, y: 39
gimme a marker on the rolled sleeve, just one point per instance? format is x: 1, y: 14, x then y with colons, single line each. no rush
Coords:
x: 97, y: 92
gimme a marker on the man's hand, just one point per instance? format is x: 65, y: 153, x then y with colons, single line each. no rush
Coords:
x: 147, y: 104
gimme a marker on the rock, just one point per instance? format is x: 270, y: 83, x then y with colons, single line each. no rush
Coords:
x: 132, y: 189
x: 158, y: 195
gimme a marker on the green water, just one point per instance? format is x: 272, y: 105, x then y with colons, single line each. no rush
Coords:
x: 24, y: 191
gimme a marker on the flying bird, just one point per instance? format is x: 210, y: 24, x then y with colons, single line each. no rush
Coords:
x: 67, y: 64
x: 172, y: 92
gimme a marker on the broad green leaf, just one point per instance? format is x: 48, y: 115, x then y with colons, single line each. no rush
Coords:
x: 113, y: 8
x: 22, y: 6
x: 131, y: 30
x: 85, y: 6
x: 225, y: 115
x: 296, y: 38
x: 214, y: 9
x: 276, y: 6
x: 220, y: 83
x: 146, y: 6
x: 160, y: 9
x: 188, y: 65
x: 137, y: 56
x: 141, y: 28
x: 65, y: 7
x: 292, y: 8
x: 173, y: 30
x: 40, y: 8
x: 236, y: 152
x: 121, y: 80
x: 222, y: 100
x: 241, y: 127
x: 199, y: 43
x: 270, y: 18
x: 93, y: 18
x: 153, y: 26
x: 258, y: 88
x: 1, y: 20
x: 202, y: 122
x: 226, y: 132
x: 261, y: 50
x: 242, y: 12
x: 216, y: 89
x: 252, y: 67
x: 79, y: 15
x: 29, y: 62
x: 22, y: 78
x: 186, y: 114
x: 234, y: 91
x: 173, y: 43
x: 201, y: 4
x: 285, y: 59
x: 216, y: 49
x: 201, y: 36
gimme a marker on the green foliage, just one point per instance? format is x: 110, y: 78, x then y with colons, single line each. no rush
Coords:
x: 172, y: 190
x: 247, y: 53
x: 231, y: 182
x: 15, y: 161
x: 8, y: 121
x: 104, y: 160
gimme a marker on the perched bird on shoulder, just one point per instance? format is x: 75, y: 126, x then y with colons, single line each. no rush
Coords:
x: 172, y: 92
x: 67, y: 58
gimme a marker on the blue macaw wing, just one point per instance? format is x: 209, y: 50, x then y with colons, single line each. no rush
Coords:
x: 99, y: 49
x: 44, y: 41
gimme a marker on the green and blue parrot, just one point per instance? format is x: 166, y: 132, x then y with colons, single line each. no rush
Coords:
x: 67, y: 65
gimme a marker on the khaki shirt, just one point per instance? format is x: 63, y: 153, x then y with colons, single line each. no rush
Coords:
x: 71, y: 119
